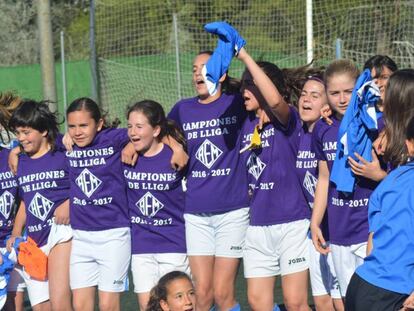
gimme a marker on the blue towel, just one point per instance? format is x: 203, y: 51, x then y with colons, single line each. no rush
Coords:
x: 5, y: 269
x: 9, y: 261
x: 229, y: 44
x: 357, y: 130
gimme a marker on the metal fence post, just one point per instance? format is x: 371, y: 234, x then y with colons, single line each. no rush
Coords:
x: 93, y: 54
x: 177, y: 55
x: 338, y: 48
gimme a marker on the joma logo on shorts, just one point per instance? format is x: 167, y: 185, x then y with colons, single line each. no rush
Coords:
x: 118, y: 282
x: 297, y: 260
x: 235, y: 248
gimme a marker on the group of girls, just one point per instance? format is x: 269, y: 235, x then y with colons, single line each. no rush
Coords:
x: 95, y: 249
x: 116, y: 209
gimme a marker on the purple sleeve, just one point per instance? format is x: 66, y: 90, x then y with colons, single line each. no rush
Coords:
x: 292, y: 122
x: 175, y: 115
x: 381, y: 124
x: 59, y: 143
x: 119, y: 137
x: 317, y: 144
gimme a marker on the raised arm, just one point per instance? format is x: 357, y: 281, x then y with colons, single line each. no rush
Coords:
x: 270, y: 93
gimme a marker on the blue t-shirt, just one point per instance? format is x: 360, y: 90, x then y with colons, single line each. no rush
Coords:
x: 391, y: 217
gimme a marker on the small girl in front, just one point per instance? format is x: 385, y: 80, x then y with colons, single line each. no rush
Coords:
x: 173, y: 292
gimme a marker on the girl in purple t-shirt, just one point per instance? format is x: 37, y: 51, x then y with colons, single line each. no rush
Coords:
x: 276, y: 239
x: 324, y: 284
x: 43, y: 183
x: 216, y: 207
x: 347, y: 214
x: 99, y: 208
x: 155, y: 200
x: 101, y: 247
x: 9, y: 194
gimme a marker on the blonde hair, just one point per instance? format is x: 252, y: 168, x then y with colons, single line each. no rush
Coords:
x: 341, y: 66
x: 8, y: 104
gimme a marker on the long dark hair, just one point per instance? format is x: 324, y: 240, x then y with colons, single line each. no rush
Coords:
x: 379, y: 62
x: 38, y: 116
x: 156, y: 117
x: 89, y: 105
x: 289, y: 81
x: 398, y: 111
x: 160, y: 291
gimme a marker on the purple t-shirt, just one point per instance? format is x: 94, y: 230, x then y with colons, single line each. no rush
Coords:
x: 278, y: 197
x: 8, y: 196
x: 98, y: 189
x: 217, y: 179
x: 307, y: 169
x: 247, y: 133
x: 156, y: 205
x: 43, y: 186
x: 347, y: 215
x: 307, y: 166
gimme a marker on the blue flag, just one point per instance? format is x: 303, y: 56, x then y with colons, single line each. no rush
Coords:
x: 358, y: 128
x: 229, y: 44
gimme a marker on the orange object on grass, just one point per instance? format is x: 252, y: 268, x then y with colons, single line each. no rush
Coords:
x: 32, y: 258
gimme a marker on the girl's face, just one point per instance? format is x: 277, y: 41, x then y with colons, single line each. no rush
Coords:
x: 142, y: 135
x: 198, y: 81
x: 180, y: 296
x: 311, y: 100
x: 33, y: 142
x: 250, y: 92
x: 339, y: 90
x: 381, y: 79
x: 82, y: 128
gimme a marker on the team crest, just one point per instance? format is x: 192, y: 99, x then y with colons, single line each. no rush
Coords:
x: 309, y: 183
x: 88, y: 182
x: 255, y: 166
x: 6, y: 203
x: 149, y: 205
x: 40, y: 206
x: 208, y: 153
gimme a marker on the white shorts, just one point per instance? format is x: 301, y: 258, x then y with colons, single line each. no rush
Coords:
x: 346, y: 259
x: 100, y: 258
x: 147, y: 269
x: 220, y: 235
x: 322, y: 274
x: 58, y: 234
x: 277, y: 249
x: 38, y: 291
